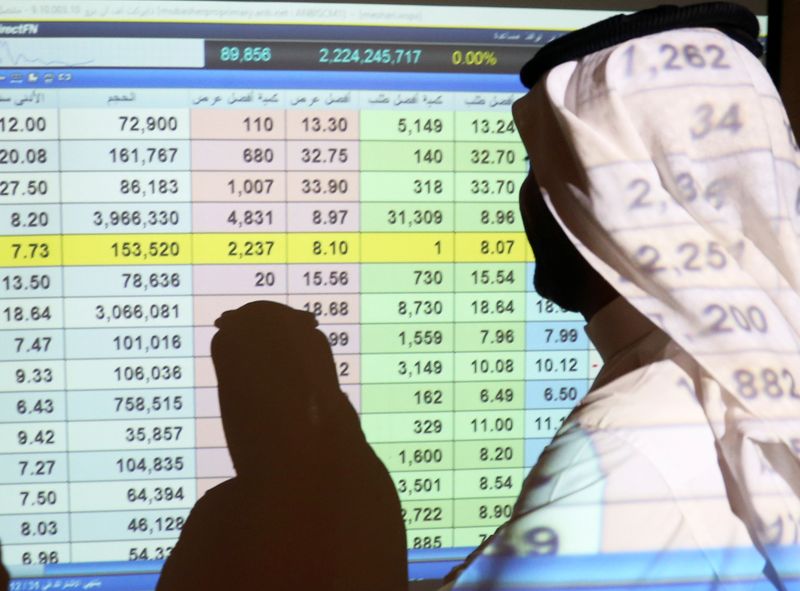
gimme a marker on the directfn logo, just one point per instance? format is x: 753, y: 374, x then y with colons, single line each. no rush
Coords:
x: 20, y: 29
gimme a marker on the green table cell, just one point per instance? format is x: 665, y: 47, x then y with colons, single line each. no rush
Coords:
x: 494, y: 277
x: 410, y: 156
x: 486, y: 396
x: 430, y: 538
x: 489, y: 336
x: 423, y: 397
x: 494, y: 157
x: 494, y: 424
x: 407, y: 278
x: 500, y: 453
x: 500, y: 307
x: 476, y: 367
x: 407, y: 125
x: 402, y: 338
x: 406, y: 308
x: 427, y: 514
x: 487, y: 217
x: 424, y: 485
x: 413, y: 456
x: 411, y: 427
x: 486, y: 127
x: 471, y: 537
x: 425, y: 187
x: 407, y: 217
x: 409, y: 368
x: 483, y: 512
x: 488, y: 187
x: 475, y: 484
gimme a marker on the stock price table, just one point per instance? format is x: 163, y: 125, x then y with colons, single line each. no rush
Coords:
x: 131, y: 219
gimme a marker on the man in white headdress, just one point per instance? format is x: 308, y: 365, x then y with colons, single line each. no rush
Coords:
x: 665, y: 208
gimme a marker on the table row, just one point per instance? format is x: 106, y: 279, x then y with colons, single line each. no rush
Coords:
x: 330, y: 216
x: 274, y: 280
x: 268, y: 247
x: 259, y: 155
x: 133, y: 495
x: 249, y: 124
x: 170, y: 403
x: 208, y: 464
x: 156, y: 188
x: 365, y: 368
x: 184, y: 342
x: 168, y: 435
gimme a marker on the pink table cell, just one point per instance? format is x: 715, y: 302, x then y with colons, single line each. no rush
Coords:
x: 202, y: 340
x: 239, y: 186
x: 322, y: 186
x: 230, y: 217
x: 208, y: 308
x: 330, y: 278
x: 206, y: 402
x: 214, y: 463
x: 353, y: 393
x: 329, y: 309
x: 204, y: 374
x: 208, y: 433
x: 322, y: 124
x: 206, y: 484
x: 348, y: 368
x: 317, y: 155
x: 323, y: 217
x: 257, y: 280
x: 238, y: 155
x: 232, y: 124
x: 343, y: 338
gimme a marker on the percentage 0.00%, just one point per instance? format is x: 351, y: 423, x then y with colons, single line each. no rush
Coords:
x: 478, y: 57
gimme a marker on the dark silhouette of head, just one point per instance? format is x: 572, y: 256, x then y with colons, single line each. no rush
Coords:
x: 561, y: 274
x: 276, y: 376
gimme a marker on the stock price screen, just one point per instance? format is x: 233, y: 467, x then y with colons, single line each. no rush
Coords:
x: 360, y: 163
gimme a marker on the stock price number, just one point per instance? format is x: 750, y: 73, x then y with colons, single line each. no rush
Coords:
x: 145, y: 281
x: 152, y: 526
x: 153, y: 373
x: 41, y: 557
x: 158, y: 403
x: 145, y: 250
x: 34, y: 282
x: 156, y: 494
x: 156, y: 311
x: 41, y: 529
x: 421, y: 515
x: 36, y: 437
x: 150, y: 465
x: 26, y: 313
x: 154, y: 186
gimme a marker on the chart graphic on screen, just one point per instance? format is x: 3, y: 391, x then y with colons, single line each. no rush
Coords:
x: 159, y: 166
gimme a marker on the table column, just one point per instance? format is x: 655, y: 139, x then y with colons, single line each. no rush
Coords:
x: 34, y: 496
x: 408, y: 303
x: 559, y: 368
x: 128, y: 314
x: 323, y: 222
x: 239, y: 223
x: 490, y: 310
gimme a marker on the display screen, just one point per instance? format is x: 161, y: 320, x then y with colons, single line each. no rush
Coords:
x: 162, y: 162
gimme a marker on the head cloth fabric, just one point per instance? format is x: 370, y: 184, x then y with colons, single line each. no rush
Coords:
x: 669, y: 161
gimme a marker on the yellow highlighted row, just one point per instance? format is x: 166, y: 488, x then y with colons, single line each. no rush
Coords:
x: 184, y: 249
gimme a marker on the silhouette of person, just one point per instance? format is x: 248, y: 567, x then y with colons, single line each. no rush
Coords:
x: 311, y: 506
x: 5, y: 578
